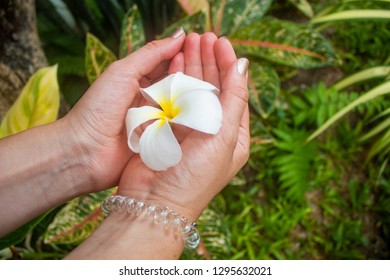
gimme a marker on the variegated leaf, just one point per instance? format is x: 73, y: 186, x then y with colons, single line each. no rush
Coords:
x: 133, y: 35
x: 285, y: 43
x: 97, y: 58
x: 37, y: 104
x: 77, y: 220
x: 193, y: 23
x: 264, y: 87
x: 229, y: 16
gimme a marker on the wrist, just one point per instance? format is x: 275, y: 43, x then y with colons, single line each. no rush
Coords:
x: 75, y: 158
x: 169, y: 219
x: 123, y: 236
x: 163, y: 197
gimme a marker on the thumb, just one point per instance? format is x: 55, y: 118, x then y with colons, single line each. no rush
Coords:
x: 147, y: 58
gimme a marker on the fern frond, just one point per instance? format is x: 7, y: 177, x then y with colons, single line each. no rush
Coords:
x: 293, y: 162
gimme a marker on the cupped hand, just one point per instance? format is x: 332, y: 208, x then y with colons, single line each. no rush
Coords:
x: 209, y: 162
x: 96, y: 126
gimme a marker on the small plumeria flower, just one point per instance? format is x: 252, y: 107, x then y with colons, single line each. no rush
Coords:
x: 182, y: 100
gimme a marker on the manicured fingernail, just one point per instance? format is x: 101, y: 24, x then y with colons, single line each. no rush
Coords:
x: 177, y: 33
x: 242, y: 66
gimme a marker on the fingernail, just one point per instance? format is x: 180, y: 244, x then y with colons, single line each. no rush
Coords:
x: 242, y: 66
x: 177, y: 33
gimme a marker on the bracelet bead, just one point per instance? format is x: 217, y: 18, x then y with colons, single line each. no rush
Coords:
x: 160, y: 215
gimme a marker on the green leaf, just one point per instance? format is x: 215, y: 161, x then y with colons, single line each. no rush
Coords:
x: 376, y: 130
x: 230, y: 16
x: 304, y: 6
x: 371, y: 73
x: 77, y: 220
x: 18, y: 235
x: 133, y: 35
x: 370, y: 95
x: 37, y: 104
x: 381, y: 147
x: 97, y: 58
x: 285, y: 43
x: 264, y: 88
x: 193, y: 23
x: 353, y: 15
x: 293, y: 161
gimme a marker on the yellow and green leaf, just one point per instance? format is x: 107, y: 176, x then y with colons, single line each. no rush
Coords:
x: 37, y: 104
x: 97, y: 58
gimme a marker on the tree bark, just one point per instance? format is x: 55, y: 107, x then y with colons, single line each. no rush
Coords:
x: 20, y: 50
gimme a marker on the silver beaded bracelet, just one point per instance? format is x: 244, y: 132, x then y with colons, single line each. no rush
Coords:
x: 160, y: 215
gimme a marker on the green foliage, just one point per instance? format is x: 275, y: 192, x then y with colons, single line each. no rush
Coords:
x: 293, y: 200
x: 372, y: 94
x: 318, y: 103
x: 294, y: 162
x: 229, y: 17
x: 285, y: 43
x: 264, y: 87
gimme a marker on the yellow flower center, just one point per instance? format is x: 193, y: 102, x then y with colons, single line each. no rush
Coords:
x: 169, y: 110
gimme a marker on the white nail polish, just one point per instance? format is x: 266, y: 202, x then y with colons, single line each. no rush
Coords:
x: 242, y: 66
x: 177, y: 33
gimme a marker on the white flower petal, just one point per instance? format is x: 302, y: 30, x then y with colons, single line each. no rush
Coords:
x: 182, y: 83
x: 159, y: 148
x: 200, y: 110
x: 134, y: 118
x: 160, y: 92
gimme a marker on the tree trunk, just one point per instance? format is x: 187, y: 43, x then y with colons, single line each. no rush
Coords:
x: 20, y: 50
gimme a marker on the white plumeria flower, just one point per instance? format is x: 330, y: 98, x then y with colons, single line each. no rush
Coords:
x: 182, y: 100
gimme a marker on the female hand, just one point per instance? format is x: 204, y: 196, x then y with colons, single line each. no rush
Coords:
x: 95, y: 126
x: 209, y: 161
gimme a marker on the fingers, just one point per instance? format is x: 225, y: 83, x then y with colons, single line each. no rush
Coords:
x: 152, y: 58
x: 225, y: 56
x: 177, y: 64
x: 192, y: 56
x: 209, y: 62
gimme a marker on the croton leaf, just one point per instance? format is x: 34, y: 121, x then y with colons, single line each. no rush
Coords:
x: 285, y: 43
x: 264, y: 87
x: 229, y: 16
x: 97, y: 57
x: 133, y: 35
x: 193, y: 23
x: 18, y: 235
x: 77, y: 220
x: 37, y: 104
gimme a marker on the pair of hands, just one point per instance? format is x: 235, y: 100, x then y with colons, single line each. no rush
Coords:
x: 97, y: 124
